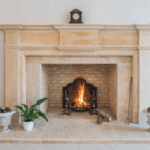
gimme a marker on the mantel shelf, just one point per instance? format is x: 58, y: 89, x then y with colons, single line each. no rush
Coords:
x: 72, y: 27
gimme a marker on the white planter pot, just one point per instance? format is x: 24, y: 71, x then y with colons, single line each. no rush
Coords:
x: 28, y: 126
x: 148, y: 116
x: 5, y: 120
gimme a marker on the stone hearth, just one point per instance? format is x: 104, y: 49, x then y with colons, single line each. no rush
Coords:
x: 30, y: 49
x: 79, y: 128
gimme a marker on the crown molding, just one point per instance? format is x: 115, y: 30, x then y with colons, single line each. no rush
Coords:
x: 72, y: 48
x: 30, y: 47
x: 4, y: 27
x: 38, y: 27
x: 77, y: 48
x: 121, y: 47
x: 58, y: 27
x: 11, y: 47
x: 144, y: 47
x: 143, y: 26
x: 79, y: 27
x: 76, y: 27
x: 10, y: 26
x: 94, y: 48
x: 120, y: 28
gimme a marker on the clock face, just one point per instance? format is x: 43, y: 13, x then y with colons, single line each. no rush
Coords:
x: 75, y: 16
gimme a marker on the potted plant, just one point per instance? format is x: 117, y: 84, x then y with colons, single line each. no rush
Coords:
x: 31, y: 113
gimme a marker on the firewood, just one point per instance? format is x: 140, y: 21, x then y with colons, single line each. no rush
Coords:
x: 105, y: 115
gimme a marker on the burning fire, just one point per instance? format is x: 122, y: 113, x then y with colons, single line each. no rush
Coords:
x: 80, y: 96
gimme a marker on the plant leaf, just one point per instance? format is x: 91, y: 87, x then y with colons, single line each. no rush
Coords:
x: 35, y: 116
x: 25, y: 106
x: 31, y: 110
x: 19, y: 107
x: 33, y: 106
x: 30, y: 118
x: 26, y: 113
x: 42, y: 115
x: 38, y: 102
x: 41, y: 101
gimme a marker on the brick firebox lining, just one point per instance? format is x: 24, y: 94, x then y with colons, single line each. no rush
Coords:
x: 103, y: 76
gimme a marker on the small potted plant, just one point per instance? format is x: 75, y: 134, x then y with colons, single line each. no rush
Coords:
x: 31, y: 113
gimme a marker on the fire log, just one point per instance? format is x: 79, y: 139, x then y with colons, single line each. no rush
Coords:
x: 105, y: 115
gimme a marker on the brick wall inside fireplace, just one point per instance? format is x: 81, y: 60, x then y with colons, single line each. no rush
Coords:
x: 103, y: 76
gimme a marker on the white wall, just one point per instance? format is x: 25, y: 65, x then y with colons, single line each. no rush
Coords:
x: 58, y: 11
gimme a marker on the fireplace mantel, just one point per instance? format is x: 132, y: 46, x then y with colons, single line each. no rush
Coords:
x: 61, y: 27
x: 61, y: 40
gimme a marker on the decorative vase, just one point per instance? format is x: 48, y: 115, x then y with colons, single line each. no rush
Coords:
x: 148, y: 116
x: 28, y: 126
x: 5, y: 120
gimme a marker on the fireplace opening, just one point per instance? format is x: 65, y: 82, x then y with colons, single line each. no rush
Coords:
x: 82, y: 79
x: 80, y: 95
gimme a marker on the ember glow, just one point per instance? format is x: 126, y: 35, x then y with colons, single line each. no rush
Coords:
x: 80, y: 102
x: 79, y: 94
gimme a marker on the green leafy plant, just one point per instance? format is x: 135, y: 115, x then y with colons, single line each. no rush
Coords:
x: 32, y: 113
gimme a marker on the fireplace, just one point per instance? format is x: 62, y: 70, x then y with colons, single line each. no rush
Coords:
x: 43, y: 56
x: 56, y: 78
x: 80, y: 95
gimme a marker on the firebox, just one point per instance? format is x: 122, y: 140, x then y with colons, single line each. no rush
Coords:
x: 80, y: 95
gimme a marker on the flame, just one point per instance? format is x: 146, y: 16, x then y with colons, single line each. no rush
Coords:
x: 80, y: 99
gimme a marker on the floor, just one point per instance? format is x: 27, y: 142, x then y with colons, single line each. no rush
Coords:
x: 17, y: 146
x: 79, y: 128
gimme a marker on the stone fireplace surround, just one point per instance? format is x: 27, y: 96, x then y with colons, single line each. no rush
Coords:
x: 31, y: 46
x: 34, y: 69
